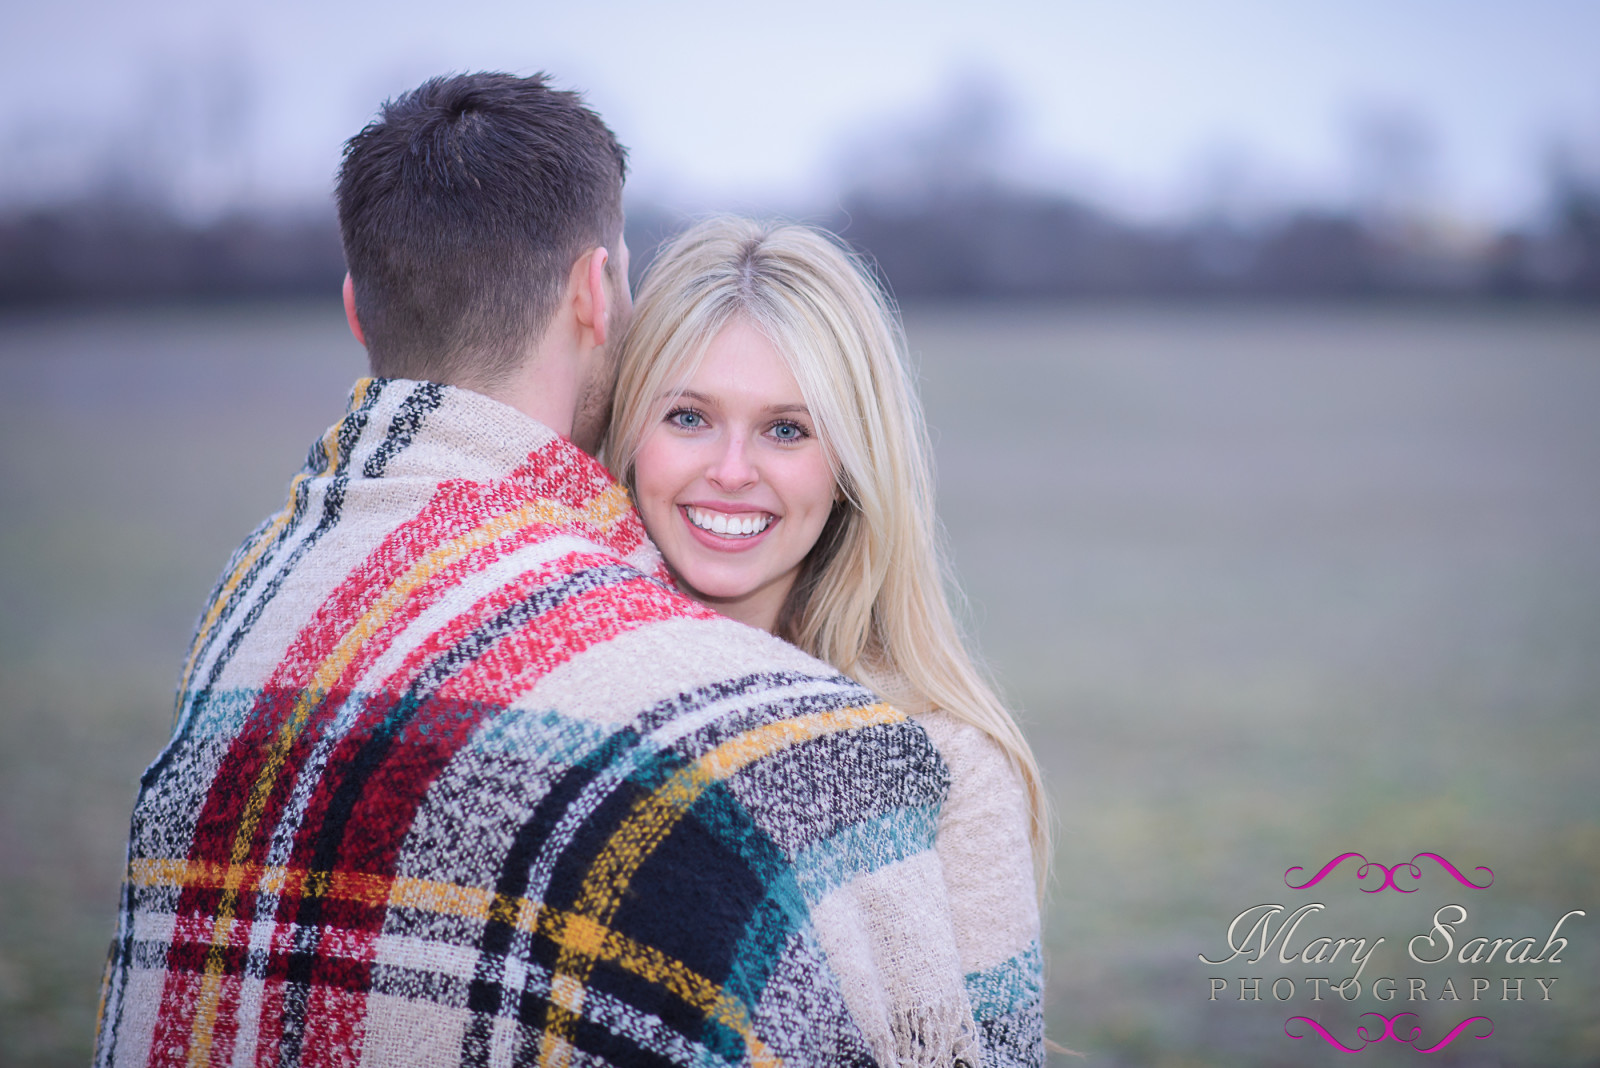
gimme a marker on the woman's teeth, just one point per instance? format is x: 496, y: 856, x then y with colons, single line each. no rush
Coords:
x: 742, y: 526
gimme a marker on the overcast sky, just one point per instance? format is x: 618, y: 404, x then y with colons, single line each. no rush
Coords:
x: 1141, y: 104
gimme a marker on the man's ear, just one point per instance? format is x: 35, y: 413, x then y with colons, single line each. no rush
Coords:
x: 350, y: 309
x: 593, y: 298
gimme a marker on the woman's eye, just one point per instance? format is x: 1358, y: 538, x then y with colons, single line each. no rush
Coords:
x: 788, y: 431
x: 687, y: 419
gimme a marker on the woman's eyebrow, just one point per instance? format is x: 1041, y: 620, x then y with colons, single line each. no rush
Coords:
x: 673, y: 396
x: 670, y: 397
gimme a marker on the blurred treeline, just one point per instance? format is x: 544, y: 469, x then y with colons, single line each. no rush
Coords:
x: 977, y: 241
x: 940, y: 201
x: 1003, y: 242
x: 988, y: 241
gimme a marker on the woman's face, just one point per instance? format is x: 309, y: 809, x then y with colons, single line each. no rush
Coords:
x: 733, y: 483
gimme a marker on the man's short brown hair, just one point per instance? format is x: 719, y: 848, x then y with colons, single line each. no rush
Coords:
x: 462, y: 208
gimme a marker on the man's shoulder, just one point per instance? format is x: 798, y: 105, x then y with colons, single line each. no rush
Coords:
x: 678, y: 667
x: 675, y: 646
x: 807, y: 751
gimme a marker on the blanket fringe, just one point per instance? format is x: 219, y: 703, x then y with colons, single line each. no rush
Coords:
x: 932, y: 1036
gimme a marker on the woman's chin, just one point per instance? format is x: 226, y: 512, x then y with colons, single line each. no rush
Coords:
x: 752, y: 601
x: 717, y: 591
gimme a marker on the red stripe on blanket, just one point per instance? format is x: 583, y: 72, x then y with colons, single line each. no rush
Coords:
x: 422, y: 746
x: 455, y: 509
x: 334, y: 1030
x: 463, y: 624
x: 553, y: 473
x: 512, y: 666
x: 392, y: 790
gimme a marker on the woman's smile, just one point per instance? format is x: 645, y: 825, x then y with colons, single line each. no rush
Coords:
x: 733, y: 482
x: 738, y: 530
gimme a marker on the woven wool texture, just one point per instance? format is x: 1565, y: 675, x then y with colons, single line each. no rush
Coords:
x: 458, y: 778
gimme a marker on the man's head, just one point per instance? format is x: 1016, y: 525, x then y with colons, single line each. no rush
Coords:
x: 464, y: 209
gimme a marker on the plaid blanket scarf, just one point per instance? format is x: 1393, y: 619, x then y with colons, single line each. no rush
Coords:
x: 457, y: 778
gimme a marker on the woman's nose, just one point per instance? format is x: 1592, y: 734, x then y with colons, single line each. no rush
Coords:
x: 731, y: 470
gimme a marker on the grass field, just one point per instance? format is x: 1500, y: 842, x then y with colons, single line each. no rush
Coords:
x: 1266, y: 585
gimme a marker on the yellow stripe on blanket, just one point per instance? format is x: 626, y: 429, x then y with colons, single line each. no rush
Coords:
x: 442, y: 898
x: 584, y: 933
x: 647, y: 825
x: 211, y: 982
x: 603, y: 510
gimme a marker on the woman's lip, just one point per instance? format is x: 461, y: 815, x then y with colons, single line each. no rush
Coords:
x: 725, y: 507
x: 725, y: 543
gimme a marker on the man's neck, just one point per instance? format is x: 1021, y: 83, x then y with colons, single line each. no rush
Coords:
x: 539, y: 389
x: 549, y: 384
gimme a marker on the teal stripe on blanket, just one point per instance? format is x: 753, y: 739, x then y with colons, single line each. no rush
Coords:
x: 1008, y: 986
x: 565, y: 740
x: 558, y: 739
x: 221, y: 714
x: 864, y: 847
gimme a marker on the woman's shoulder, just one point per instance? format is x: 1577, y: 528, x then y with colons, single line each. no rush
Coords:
x: 986, y: 811
x: 986, y: 860
x: 972, y: 754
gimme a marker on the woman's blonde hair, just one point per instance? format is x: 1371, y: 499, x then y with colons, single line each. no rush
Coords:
x: 871, y: 596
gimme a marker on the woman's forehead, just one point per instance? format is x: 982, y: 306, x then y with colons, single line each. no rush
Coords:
x: 739, y: 359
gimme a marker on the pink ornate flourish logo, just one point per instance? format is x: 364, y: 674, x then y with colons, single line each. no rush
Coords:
x: 1366, y: 1039
x: 1388, y: 873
